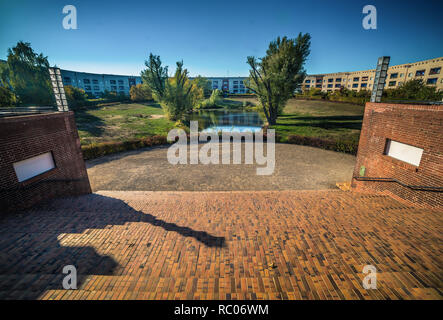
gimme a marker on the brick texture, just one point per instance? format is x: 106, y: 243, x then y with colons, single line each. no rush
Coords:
x: 23, y: 137
x: 222, y: 245
x: 417, y: 125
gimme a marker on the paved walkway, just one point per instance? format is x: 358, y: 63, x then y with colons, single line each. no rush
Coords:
x: 297, y: 168
x: 222, y: 245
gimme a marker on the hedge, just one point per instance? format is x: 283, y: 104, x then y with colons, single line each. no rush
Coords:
x: 346, y: 146
x: 95, y: 150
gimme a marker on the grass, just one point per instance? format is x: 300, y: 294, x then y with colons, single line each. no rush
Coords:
x: 325, y: 124
x: 121, y: 122
x: 321, y: 119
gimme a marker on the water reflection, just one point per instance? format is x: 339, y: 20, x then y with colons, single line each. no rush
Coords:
x: 227, y: 120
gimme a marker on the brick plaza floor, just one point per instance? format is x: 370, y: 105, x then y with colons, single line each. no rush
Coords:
x: 222, y: 245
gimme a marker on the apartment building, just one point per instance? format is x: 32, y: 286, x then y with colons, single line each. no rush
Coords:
x: 228, y: 84
x: 428, y: 70
x: 94, y: 84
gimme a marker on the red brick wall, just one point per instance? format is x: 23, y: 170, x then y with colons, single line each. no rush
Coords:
x: 417, y: 125
x: 23, y: 137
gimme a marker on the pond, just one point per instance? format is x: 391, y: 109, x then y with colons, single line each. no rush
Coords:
x: 227, y: 120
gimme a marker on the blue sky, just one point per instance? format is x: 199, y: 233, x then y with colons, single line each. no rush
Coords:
x: 214, y: 38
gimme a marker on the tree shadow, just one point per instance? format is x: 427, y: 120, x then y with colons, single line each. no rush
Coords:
x: 326, y: 122
x: 88, y: 122
x: 32, y: 258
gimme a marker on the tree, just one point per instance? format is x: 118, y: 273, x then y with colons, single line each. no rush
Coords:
x: 140, y: 92
x: 176, y: 95
x: 415, y: 90
x: 76, y: 97
x: 274, y: 77
x: 204, y: 84
x: 27, y: 74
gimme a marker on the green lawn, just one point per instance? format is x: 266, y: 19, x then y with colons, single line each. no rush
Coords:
x: 121, y: 122
x: 322, y: 119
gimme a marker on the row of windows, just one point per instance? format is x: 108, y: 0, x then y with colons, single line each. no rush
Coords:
x: 418, y: 73
x: 68, y: 80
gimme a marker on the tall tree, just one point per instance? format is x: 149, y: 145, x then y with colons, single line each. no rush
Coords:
x: 274, y: 77
x: 176, y: 95
x: 27, y: 73
x: 204, y: 84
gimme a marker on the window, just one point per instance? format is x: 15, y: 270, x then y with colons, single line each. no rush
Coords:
x: 400, y: 83
x: 364, y: 79
x: 318, y: 85
x: 308, y: 81
x: 370, y: 79
x: 403, y: 152
x: 329, y: 85
x: 214, y: 87
x: 307, y: 86
x: 363, y: 85
x: 337, y: 79
x: 120, y: 81
x: 435, y: 70
x: 67, y: 80
x: 420, y: 73
x: 96, y: 88
x: 114, y: 88
x: 432, y: 81
x: 394, y: 76
x: 330, y: 80
x: 409, y: 75
x: 319, y: 81
x: 215, y: 82
x: 355, y: 85
x: 86, y: 81
x: 26, y: 169
x: 401, y: 75
x: 392, y: 83
x: 356, y: 78
x: 235, y: 86
x: 112, y: 81
x: 87, y: 88
x: 241, y: 81
x: 121, y: 88
x: 95, y: 81
x: 337, y: 85
x: 235, y: 82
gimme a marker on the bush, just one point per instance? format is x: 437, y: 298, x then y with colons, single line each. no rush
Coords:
x: 7, y: 98
x: 76, y: 97
x: 214, y: 101
x: 140, y: 92
x: 347, y: 146
x: 95, y: 150
x: 414, y: 90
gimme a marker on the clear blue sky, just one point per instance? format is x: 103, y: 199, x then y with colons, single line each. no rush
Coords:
x: 215, y: 37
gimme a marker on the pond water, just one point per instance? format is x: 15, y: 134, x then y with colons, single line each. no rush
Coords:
x: 227, y: 120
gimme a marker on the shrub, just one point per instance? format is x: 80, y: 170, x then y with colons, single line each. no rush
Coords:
x: 96, y: 150
x: 76, y: 97
x: 347, y: 146
x: 214, y: 101
x: 140, y: 92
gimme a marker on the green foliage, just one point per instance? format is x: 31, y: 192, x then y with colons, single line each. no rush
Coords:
x: 76, y: 97
x: 155, y: 76
x: 177, y: 95
x: 274, y: 77
x: 204, y: 84
x: 140, y: 92
x: 414, y: 90
x: 214, y: 101
x: 96, y: 150
x: 7, y: 98
x: 26, y: 72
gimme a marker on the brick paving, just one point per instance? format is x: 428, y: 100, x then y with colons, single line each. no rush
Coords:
x: 222, y: 245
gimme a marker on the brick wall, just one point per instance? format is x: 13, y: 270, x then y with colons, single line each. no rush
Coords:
x: 23, y: 137
x: 417, y: 125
